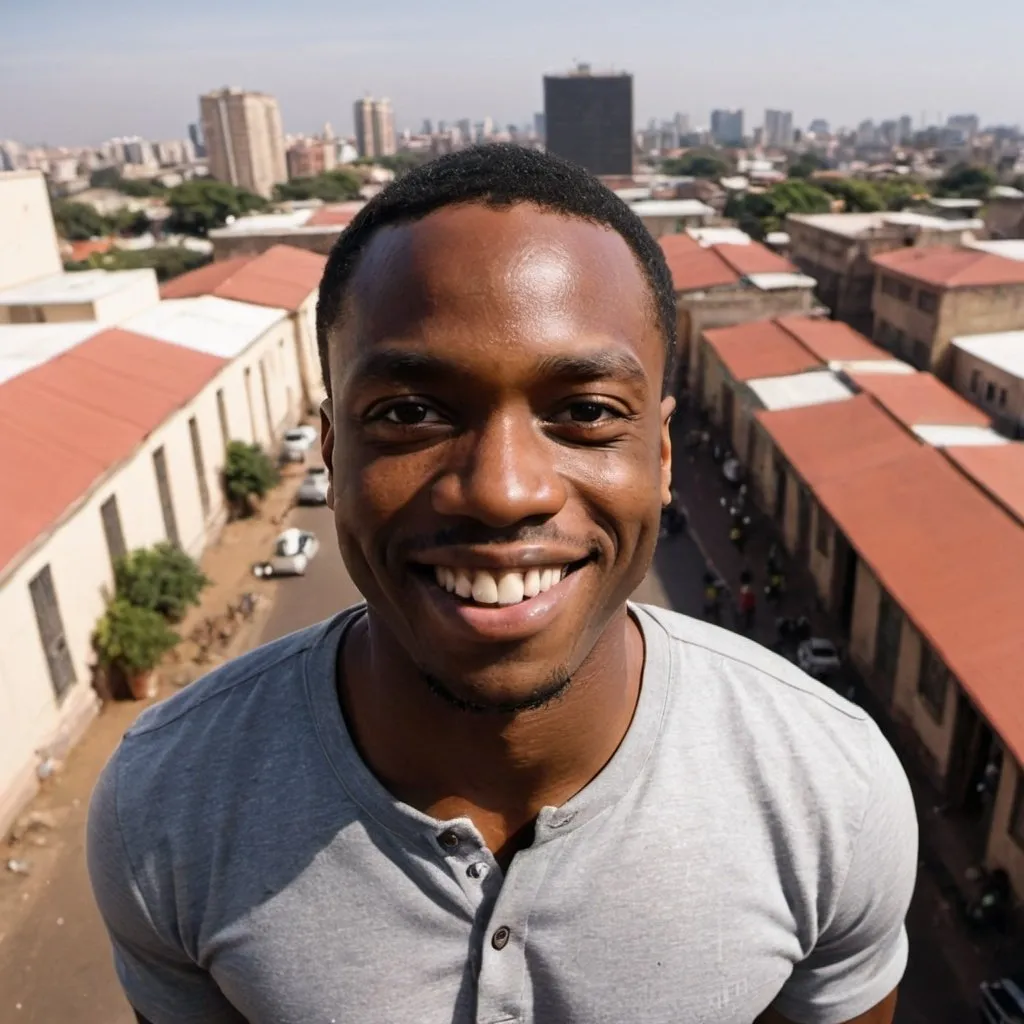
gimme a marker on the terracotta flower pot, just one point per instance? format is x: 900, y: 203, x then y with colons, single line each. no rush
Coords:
x: 142, y: 685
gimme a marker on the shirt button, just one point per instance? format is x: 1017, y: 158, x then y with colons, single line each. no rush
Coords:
x: 499, y: 940
x: 448, y: 839
x: 477, y: 870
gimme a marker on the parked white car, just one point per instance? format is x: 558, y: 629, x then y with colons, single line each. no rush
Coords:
x: 296, y: 443
x: 818, y: 657
x: 313, y: 489
x: 293, y: 551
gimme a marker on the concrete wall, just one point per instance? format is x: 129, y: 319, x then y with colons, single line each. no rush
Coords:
x: 864, y: 624
x: 30, y: 249
x: 138, y: 291
x: 975, y: 379
x: 791, y: 520
x: 31, y: 717
x: 226, y: 245
x: 821, y: 562
x: 1003, y: 850
x: 308, y: 355
x: 1004, y: 218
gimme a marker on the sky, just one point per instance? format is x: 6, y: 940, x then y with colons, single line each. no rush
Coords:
x: 74, y: 73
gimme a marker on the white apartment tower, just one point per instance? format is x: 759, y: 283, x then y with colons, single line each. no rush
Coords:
x: 375, y: 127
x: 244, y: 139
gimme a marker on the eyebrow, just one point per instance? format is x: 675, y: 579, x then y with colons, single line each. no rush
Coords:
x: 401, y: 366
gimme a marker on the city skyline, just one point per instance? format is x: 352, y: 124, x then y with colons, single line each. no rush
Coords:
x: 120, y: 70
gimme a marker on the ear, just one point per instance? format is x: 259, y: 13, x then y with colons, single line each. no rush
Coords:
x: 327, y: 447
x: 668, y: 407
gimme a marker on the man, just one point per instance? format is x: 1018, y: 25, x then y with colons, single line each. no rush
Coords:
x: 498, y: 792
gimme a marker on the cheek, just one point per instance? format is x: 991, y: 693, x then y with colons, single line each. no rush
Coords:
x: 370, y: 491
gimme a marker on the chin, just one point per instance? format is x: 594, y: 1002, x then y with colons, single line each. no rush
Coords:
x: 519, y: 689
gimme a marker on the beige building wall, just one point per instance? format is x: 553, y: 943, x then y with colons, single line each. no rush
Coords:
x: 227, y: 245
x: 986, y: 385
x: 1003, y: 850
x: 791, y: 520
x: 864, y: 624
x: 30, y: 249
x: 821, y: 561
x: 1004, y: 218
x: 244, y: 139
x: 308, y: 354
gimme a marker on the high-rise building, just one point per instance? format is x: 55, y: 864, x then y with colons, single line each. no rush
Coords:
x: 905, y: 128
x: 375, y: 127
x: 196, y: 135
x: 539, y: 126
x: 727, y: 127
x: 778, y: 128
x: 966, y: 124
x: 428, y: 127
x: 244, y: 139
x: 682, y: 125
x: 588, y: 118
x: 818, y: 127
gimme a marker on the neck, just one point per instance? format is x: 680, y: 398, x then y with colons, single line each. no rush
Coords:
x: 497, y: 769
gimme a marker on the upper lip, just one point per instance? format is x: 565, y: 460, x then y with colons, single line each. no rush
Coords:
x: 496, y: 558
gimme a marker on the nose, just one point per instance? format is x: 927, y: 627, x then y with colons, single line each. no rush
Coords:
x: 502, y: 473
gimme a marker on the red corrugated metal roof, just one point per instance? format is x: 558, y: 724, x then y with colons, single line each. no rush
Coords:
x: 328, y: 216
x: 946, y: 267
x: 996, y: 468
x: 753, y: 258
x: 919, y: 399
x: 760, y: 348
x: 831, y: 340
x: 282, y: 277
x: 948, y: 555
x: 695, y: 267
x: 67, y: 422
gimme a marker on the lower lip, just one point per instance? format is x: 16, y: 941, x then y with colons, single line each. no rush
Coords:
x: 503, y: 621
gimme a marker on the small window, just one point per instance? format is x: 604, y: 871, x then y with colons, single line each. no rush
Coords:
x: 975, y: 381
x: 1017, y: 815
x: 888, y: 286
x: 823, y: 532
x: 111, y: 517
x: 990, y: 392
x: 927, y: 302
x: 921, y: 355
x: 1002, y: 398
x: 200, y: 465
x: 933, y: 683
x: 222, y: 415
x: 51, y: 632
x: 903, y: 292
x: 163, y: 486
x: 887, y: 637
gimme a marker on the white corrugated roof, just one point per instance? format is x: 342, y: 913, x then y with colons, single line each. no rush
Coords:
x: 870, y: 366
x: 1004, y: 350
x: 853, y: 225
x: 80, y: 286
x: 719, y: 236
x: 1005, y: 192
x: 633, y: 195
x: 777, y: 238
x: 1011, y: 248
x: 816, y: 387
x: 776, y: 282
x: 26, y: 346
x: 671, y: 208
x: 219, y: 327
x: 951, y: 436
x: 955, y: 203
x: 258, y: 223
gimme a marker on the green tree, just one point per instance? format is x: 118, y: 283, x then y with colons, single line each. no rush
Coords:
x: 899, y: 193
x: 110, y: 177
x: 857, y: 196
x: 130, y: 223
x: 759, y: 213
x: 78, y: 222
x: 331, y: 187
x: 132, y: 640
x: 199, y: 206
x: 697, y: 163
x: 805, y: 165
x: 966, y: 181
x: 162, y: 579
x: 249, y: 473
x: 167, y: 260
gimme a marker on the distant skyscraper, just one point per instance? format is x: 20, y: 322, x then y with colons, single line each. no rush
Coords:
x: 966, y: 124
x: 588, y: 119
x: 538, y: 126
x: 428, y: 127
x: 778, y: 128
x: 682, y: 124
x: 727, y: 127
x: 244, y: 139
x: 819, y: 126
x: 905, y: 128
x: 196, y: 135
x: 375, y: 127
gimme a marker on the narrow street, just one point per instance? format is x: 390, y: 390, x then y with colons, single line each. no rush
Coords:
x: 55, y: 964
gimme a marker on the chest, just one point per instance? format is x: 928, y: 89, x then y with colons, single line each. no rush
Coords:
x: 591, y: 928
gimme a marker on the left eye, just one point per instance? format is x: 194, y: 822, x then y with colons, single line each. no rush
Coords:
x: 585, y: 412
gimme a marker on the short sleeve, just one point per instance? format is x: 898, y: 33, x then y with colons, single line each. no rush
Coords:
x: 159, y: 978
x: 861, y: 953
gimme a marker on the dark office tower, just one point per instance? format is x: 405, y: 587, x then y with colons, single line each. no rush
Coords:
x: 588, y: 118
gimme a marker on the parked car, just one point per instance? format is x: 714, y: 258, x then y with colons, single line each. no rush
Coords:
x: 818, y: 657
x: 293, y: 551
x: 1002, y: 1002
x: 313, y: 489
x: 296, y: 443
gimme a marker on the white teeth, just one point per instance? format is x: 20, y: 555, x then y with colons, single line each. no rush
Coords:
x: 463, y: 583
x: 531, y: 583
x: 440, y: 575
x: 485, y: 588
x: 511, y: 588
x: 547, y: 580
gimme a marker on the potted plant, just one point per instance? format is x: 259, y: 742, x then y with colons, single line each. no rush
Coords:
x: 249, y: 474
x: 162, y: 578
x: 130, y: 642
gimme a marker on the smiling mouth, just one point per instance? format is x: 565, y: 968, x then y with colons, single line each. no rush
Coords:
x: 484, y: 587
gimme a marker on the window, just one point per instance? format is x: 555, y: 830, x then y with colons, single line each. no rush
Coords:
x: 1017, y: 814
x: 163, y: 485
x: 975, y: 381
x: 920, y: 355
x: 266, y: 399
x: 903, y: 291
x: 933, y: 682
x: 887, y: 637
x: 883, y: 332
x: 222, y: 415
x: 1002, y: 398
x: 927, y: 302
x: 990, y: 392
x: 27, y: 315
x: 51, y: 631
x: 888, y: 286
x: 898, y: 337
x: 823, y: 532
x: 111, y: 517
x: 197, y: 460
x: 248, y: 397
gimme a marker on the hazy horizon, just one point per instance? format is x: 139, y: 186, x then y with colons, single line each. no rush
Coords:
x: 85, y: 74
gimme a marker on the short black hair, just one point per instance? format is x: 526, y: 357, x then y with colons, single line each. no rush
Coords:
x: 495, y: 175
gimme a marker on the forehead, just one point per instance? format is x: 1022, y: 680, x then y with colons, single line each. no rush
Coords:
x: 471, y: 277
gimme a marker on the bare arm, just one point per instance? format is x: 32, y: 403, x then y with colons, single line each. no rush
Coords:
x: 880, y: 1013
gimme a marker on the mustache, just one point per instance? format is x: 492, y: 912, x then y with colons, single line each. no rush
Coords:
x: 471, y: 534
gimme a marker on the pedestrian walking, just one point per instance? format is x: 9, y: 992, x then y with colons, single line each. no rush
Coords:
x: 712, y: 597
x: 747, y: 606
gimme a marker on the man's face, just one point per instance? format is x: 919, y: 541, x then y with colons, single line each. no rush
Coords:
x: 498, y: 444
